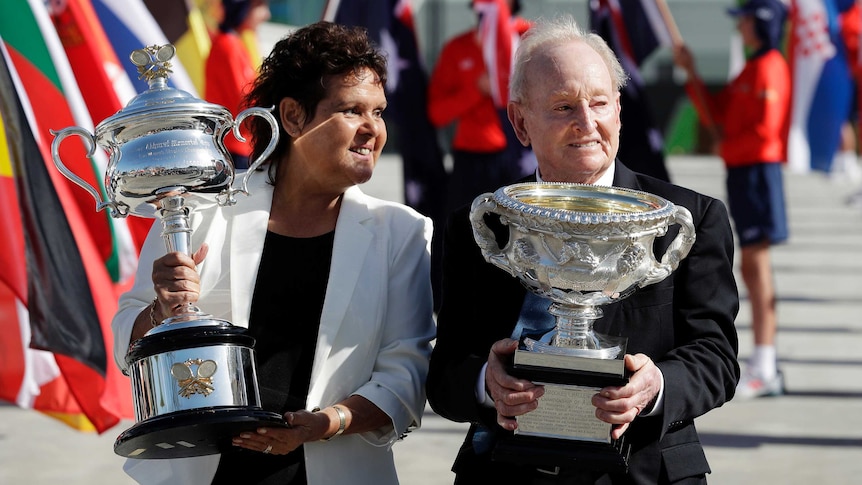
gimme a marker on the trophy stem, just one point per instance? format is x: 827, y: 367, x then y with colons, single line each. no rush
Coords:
x: 575, y: 326
x: 177, y: 234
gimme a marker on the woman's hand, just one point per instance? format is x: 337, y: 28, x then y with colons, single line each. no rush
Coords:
x: 358, y: 415
x: 303, y: 426
x: 176, y: 281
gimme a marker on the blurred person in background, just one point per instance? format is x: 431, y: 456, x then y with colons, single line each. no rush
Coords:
x: 753, y: 115
x: 484, y: 157
x: 230, y: 69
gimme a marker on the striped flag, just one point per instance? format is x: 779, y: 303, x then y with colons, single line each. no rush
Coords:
x: 822, y: 84
x: 499, y: 41
x: 634, y: 29
x: 106, y: 88
x: 130, y: 26
x: 70, y: 298
x: 185, y: 27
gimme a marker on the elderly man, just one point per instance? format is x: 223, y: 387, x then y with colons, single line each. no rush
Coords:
x: 565, y: 103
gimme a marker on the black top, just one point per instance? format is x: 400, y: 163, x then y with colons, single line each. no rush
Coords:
x: 285, y: 318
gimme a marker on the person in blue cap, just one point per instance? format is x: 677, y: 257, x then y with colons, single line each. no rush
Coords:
x: 751, y: 116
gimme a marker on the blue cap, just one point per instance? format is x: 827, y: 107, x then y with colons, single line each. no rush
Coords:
x: 768, y: 15
x: 765, y: 10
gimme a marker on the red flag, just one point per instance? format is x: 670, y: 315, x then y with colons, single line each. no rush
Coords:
x: 70, y: 297
x: 106, y: 89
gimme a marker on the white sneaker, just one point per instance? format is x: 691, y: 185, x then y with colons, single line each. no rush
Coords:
x: 751, y: 386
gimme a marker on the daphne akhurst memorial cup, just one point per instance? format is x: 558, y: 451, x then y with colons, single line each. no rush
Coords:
x: 580, y: 247
x: 193, y: 377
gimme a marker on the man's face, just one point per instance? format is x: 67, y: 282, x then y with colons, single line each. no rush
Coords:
x: 570, y: 113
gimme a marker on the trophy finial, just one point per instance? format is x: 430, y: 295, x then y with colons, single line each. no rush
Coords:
x: 153, y: 61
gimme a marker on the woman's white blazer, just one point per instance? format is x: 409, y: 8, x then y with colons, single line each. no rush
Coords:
x: 375, y: 330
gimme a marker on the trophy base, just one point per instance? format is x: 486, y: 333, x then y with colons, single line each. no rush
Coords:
x: 550, y: 453
x: 197, y: 432
x: 563, y: 431
x: 560, y: 367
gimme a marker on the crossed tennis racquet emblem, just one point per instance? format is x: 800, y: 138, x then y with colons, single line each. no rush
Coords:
x: 194, y: 384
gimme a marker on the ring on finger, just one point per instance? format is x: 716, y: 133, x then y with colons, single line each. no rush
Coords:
x: 267, y: 450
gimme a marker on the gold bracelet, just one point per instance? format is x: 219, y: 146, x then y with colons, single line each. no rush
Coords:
x: 153, y: 312
x: 342, y: 422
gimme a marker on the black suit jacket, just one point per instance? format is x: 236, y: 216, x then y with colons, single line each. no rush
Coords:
x: 684, y: 323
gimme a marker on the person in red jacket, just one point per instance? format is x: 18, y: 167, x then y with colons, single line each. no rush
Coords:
x: 752, y: 116
x: 459, y: 92
x: 229, y: 66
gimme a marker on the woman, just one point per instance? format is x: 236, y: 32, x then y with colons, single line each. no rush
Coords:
x: 333, y: 284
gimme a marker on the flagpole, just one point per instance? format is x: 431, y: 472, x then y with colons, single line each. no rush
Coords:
x: 677, y: 41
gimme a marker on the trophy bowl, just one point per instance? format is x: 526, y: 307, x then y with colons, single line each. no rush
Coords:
x: 578, y: 247
x: 194, y: 380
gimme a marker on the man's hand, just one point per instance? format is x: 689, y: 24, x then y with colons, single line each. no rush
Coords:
x: 621, y: 405
x: 512, y: 397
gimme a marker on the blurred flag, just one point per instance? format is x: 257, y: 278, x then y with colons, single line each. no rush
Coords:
x: 822, y: 84
x: 499, y: 41
x: 390, y: 25
x: 634, y: 29
x: 106, y: 89
x: 184, y: 26
x: 70, y: 299
x: 130, y: 26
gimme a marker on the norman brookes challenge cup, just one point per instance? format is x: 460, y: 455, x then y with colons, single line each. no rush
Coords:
x: 193, y: 378
x: 579, y: 246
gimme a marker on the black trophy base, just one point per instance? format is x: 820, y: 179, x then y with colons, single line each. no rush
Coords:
x: 549, y: 453
x: 198, y: 432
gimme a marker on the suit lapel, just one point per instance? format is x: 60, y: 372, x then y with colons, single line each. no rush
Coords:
x: 349, y: 253
x: 247, y: 234
x: 625, y: 177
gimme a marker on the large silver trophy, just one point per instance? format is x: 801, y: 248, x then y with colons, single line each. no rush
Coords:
x: 193, y: 377
x: 581, y: 247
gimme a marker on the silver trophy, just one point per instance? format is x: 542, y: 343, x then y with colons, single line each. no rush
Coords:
x: 581, y: 247
x: 193, y: 377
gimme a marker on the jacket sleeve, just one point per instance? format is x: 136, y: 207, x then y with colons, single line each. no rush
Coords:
x: 397, y: 382
x: 701, y: 370
x: 480, y: 305
x: 134, y: 301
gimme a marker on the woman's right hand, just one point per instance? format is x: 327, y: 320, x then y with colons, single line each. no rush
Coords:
x: 176, y: 281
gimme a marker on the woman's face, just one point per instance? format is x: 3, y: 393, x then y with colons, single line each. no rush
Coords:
x: 339, y: 146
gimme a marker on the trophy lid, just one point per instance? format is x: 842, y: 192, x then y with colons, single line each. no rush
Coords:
x: 160, y: 99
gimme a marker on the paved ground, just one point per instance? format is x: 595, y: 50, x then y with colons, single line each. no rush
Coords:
x: 811, y: 435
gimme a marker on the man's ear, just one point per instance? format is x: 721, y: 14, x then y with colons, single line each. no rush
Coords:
x: 291, y: 115
x: 516, y: 118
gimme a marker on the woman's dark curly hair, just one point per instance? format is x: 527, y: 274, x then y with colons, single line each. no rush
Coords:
x: 298, y: 67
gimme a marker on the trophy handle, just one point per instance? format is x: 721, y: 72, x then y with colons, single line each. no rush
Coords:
x: 227, y: 197
x: 678, y: 249
x: 484, y: 236
x: 90, y: 141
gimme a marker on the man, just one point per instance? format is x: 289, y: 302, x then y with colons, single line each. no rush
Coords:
x: 564, y: 102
